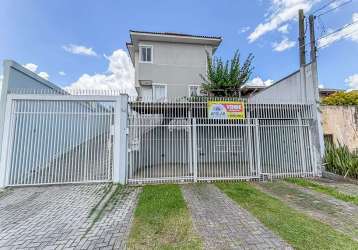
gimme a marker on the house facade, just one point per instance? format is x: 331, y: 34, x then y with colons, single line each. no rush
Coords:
x: 169, y: 65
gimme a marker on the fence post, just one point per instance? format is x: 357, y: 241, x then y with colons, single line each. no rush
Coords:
x: 5, y: 145
x: 195, y: 152
x: 303, y: 152
x: 258, y: 153
x: 249, y: 127
x: 120, y: 140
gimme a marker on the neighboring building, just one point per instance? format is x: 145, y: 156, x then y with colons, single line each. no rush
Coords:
x: 248, y: 90
x: 340, y: 125
x: 324, y: 92
x: 169, y: 65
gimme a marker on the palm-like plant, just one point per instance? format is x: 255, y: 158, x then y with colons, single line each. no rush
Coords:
x: 226, y: 79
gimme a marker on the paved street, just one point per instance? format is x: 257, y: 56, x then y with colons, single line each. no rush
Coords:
x: 222, y: 224
x: 58, y: 217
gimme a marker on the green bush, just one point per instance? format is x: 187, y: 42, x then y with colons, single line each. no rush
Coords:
x: 341, y: 98
x: 340, y: 160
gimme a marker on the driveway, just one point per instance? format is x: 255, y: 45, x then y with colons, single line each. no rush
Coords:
x: 62, y: 217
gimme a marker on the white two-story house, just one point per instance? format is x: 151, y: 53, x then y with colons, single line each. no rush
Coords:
x: 169, y: 65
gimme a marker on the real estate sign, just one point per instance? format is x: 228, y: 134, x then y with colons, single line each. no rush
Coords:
x: 229, y: 110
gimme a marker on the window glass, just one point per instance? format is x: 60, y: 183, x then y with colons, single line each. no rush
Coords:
x: 194, y: 90
x: 159, y: 92
x: 146, y: 54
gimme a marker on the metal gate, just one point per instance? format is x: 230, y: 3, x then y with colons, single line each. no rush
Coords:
x: 175, y: 141
x: 56, y: 139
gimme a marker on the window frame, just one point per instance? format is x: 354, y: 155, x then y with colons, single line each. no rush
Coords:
x: 194, y: 85
x: 166, y: 91
x: 140, y: 53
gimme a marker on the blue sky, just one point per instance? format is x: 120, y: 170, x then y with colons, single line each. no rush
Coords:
x: 77, y: 41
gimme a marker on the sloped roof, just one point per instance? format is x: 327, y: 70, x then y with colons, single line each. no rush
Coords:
x: 176, y: 34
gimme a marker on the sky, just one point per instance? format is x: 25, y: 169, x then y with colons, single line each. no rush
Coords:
x: 81, y: 44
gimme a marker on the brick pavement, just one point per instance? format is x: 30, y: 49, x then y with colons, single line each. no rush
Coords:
x: 223, y: 224
x: 57, y: 217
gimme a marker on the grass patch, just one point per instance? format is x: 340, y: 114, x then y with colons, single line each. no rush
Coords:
x: 162, y: 220
x: 301, y: 231
x: 324, y: 189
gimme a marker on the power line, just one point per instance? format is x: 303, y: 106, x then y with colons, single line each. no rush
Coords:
x: 345, y: 36
x: 337, y: 7
x: 336, y: 31
x: 324, y: 6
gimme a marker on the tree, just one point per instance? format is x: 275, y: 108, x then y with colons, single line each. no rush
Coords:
x: 226, y: 79
x: 342, y: 98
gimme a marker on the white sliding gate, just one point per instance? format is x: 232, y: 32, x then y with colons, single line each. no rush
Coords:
x: 176, y: 142
x: 55, y: 139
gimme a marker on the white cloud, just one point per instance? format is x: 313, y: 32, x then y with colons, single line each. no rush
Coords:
x: 120, y: 76
x: 283, y: 45
x: 62, y: 73
x: 283, y: 29
x: 321, y: 86
x: 350, y: 32
x: 44, y: 75
x: 257, y: 81
x: 79, y: 50
x: 352, y: 81
x: 244, y: 29
x: 280, y: 12
x: 31, y: 66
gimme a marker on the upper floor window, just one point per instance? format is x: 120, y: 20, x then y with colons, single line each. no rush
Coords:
x: 194, y: 90
x: 146, y: 54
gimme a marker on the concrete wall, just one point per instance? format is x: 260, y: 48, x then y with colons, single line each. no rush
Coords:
x: 53, y: 136
x: 290, y: 89
x: 175, y: 64
x: 18, y: 77
x: 342, y: 123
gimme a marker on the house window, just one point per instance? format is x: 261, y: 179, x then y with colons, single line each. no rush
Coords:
x: 146, y: 54
x: 159, y: 92
x: 194, y: 90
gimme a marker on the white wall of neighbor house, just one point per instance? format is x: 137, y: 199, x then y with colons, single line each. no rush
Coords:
x: 176, y: 65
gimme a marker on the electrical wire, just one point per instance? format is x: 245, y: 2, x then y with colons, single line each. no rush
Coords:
x: 334, y: 32
x: 337, y: 7
x: 324, y: 6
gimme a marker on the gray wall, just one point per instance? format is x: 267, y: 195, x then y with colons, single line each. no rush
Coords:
x: 175, y: 64
x: 42, y: 128
x: 290, y: 89
x: 18, y: 77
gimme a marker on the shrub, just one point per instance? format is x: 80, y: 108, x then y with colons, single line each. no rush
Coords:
x: 340, y: 160
x: 341, y: 98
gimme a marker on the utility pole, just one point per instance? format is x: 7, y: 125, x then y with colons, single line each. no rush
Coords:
x: 301, y: 37
x: 312, y: 39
